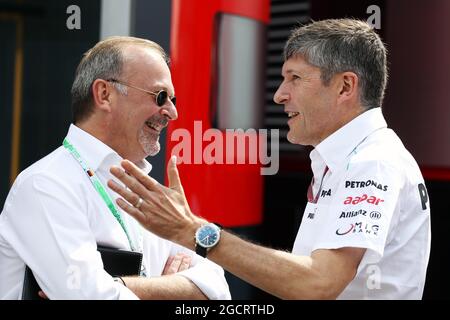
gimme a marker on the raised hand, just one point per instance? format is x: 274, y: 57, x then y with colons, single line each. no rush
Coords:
x: 163, y: 210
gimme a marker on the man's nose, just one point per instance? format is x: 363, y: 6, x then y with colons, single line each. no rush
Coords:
x: 169, y: 111
x: 280, y: 96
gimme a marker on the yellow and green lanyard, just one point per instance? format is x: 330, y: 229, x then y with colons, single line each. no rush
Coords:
x: 99, y: 187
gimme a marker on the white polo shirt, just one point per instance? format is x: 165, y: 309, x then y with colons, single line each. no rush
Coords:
x: 372, y: 196
x: 53, y: 218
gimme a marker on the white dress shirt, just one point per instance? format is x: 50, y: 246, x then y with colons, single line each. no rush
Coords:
x: 372, y: 196
x: 53, y: 219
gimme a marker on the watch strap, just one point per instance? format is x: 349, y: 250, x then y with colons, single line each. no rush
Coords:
x: 201, y: 251
x: 219, y: 225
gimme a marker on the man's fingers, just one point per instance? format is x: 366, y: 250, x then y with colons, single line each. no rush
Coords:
x: 131, y: 182
x: 174, y: 264
x: 130, y: 196
x: 177, y: 263
x: 172, y: 174
x: 146, y: 180
x: 167, y: 266
x: 132, y: 211
x: 185, y: 263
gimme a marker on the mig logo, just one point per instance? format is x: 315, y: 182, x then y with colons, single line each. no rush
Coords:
x: 356, y: 200
x: 359, y: 227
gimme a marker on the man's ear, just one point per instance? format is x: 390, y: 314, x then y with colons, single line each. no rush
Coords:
x: 348, y: 86
x: 102, y: 94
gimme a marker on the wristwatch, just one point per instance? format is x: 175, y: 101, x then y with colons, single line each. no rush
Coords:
x: 206, y: 237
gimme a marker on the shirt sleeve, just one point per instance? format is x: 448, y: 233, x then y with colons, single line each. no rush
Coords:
x: 362, y: 210
x: 206, y: 275
x: 48, y: 226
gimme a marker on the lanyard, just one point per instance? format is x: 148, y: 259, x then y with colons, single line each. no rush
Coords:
x: 99, y: 187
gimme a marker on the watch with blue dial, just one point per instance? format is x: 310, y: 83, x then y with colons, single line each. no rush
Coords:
x: 206, y: 237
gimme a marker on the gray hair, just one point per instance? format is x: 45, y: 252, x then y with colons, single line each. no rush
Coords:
x: 104, y: 61
x: 340, y: 45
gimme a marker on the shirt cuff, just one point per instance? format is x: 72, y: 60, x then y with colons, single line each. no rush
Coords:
x: 210, y: 279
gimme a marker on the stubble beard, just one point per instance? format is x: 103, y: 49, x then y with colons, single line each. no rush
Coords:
x: 149, y: 142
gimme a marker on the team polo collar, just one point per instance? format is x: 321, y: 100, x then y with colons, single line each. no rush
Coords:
x: 339, y: 145
x: 95, y: 152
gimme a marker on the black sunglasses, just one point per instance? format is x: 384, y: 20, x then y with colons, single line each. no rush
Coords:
x: 161, y: 96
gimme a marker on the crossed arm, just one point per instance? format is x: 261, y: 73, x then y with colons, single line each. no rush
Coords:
x: 169, y: 285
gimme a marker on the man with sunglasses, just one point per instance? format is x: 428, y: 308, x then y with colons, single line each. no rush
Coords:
x: 59, y: 209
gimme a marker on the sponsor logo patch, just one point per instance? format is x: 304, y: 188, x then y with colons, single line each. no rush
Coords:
x: 364, y: 198
x: 325, y: 193
x: 375, y: 215
x: 364, y: 184
x: 351, y: 214
x: 359, y: 227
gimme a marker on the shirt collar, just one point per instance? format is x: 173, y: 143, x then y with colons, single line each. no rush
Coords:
x: 336, y: 147
x: 95, y: 153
